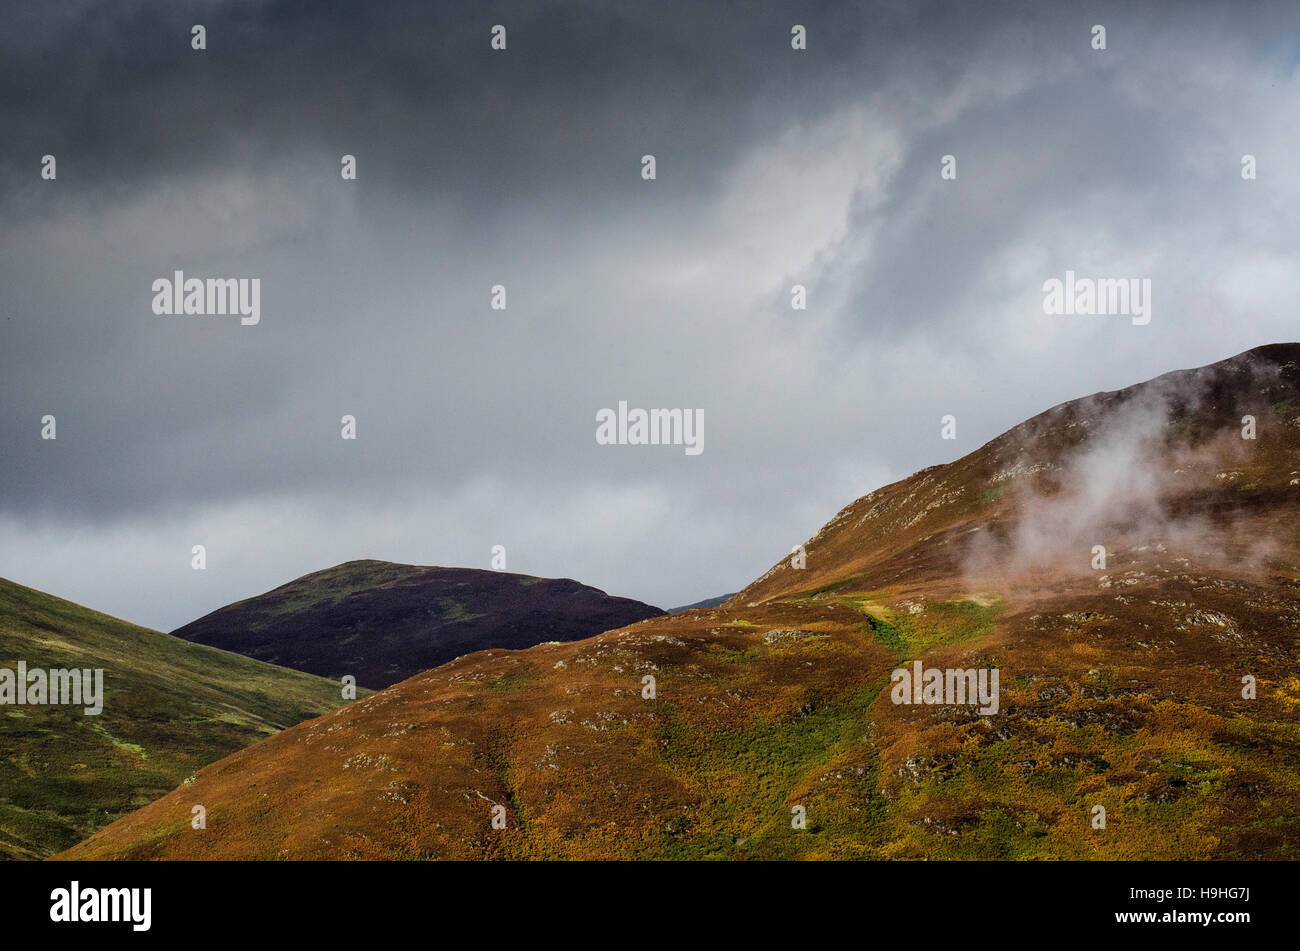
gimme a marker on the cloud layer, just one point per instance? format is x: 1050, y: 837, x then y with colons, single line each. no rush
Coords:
x: 521, y: 168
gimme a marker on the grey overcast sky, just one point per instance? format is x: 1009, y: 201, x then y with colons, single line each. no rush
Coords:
x: 522, y: 167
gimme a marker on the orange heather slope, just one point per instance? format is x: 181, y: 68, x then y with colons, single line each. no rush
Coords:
x: 1128, y: 563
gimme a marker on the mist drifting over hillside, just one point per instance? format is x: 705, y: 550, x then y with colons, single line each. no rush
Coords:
x: 1138, y: 473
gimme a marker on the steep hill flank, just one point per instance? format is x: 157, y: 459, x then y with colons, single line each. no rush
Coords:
x: 169, y: 709
x: 1163, y: 458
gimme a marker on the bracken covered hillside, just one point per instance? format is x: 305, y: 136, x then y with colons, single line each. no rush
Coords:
x: 1121, y: 681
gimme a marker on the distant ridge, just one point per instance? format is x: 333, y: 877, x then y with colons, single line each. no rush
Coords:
x: 382, y: 622
x: 706, y: 603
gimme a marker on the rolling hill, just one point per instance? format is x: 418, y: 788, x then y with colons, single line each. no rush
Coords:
x: 383, y: 622
x: 1128, y: 563
x: 169, y: 708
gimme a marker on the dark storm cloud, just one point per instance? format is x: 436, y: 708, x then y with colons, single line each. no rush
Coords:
x: 441, y: 125
x: 118, y: 89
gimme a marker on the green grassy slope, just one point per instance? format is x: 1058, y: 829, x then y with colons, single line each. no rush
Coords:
x: 170, y: 707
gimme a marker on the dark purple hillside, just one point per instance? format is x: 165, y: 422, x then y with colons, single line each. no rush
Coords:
x: 384, y: 622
